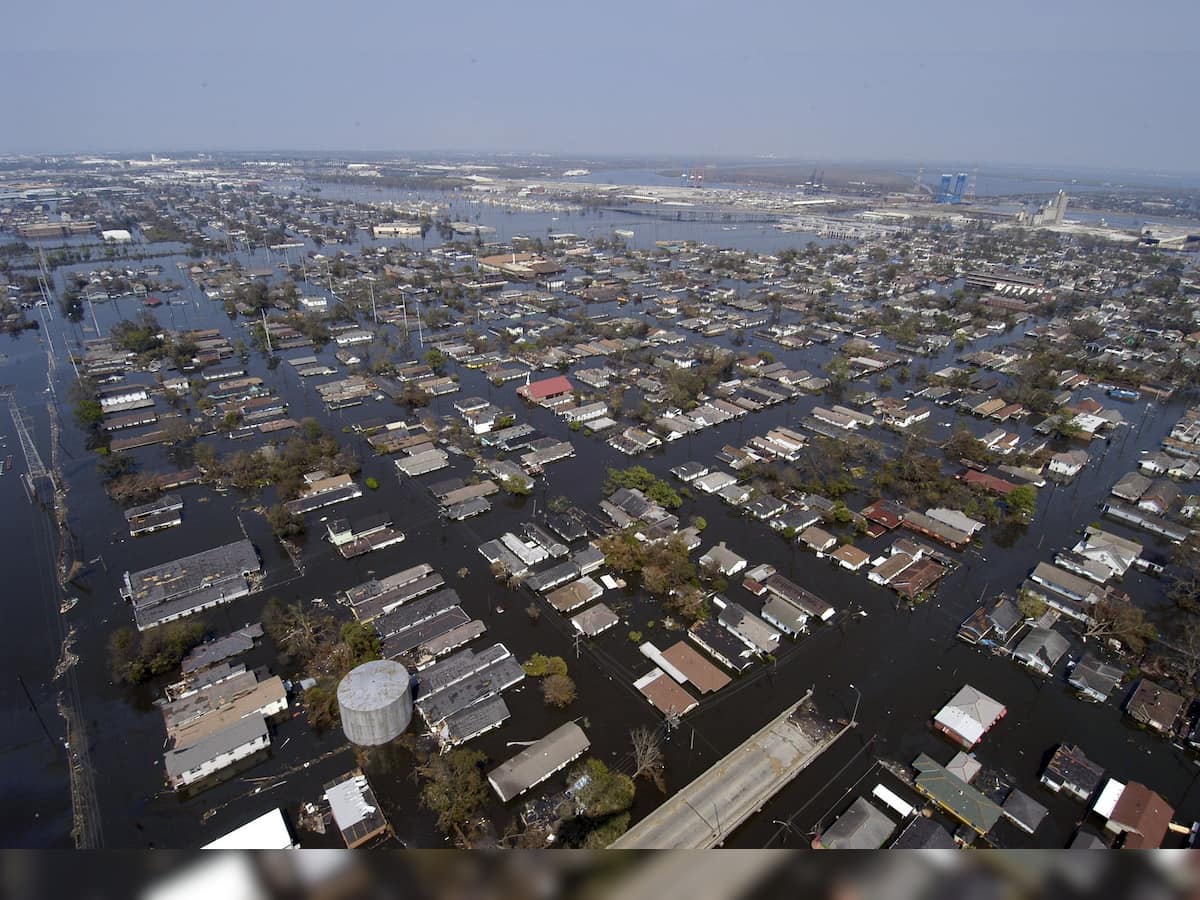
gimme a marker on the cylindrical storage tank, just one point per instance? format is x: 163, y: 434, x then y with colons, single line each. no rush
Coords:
x: 375, y: 700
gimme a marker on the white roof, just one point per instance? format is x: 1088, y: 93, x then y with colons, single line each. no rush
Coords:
x: 969, y: 714
x: 348, y: 802
x: 268, y: 832
x: 1107, y: 801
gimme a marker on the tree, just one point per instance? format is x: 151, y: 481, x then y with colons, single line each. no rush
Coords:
x: 603, y: 793
x: 322, y: 705
x: 1121, y: 621
x: 516, y: 486
x: 135, y: 657
x: 558, y: 690
x: 1031, y: 605
x: 455, y: 790
x: 362, y: 641
x: 284, y: 523
x: 435, y: 359
x: 648, y: 758
x: 1187, y: 647
x: 1023, y: 501
x: 539, y: 666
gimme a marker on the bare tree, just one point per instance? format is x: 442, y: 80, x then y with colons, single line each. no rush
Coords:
x: 1187, y: 645
x: 648, y: 756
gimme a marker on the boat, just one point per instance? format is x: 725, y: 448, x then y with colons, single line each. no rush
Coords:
x: 67, y: 605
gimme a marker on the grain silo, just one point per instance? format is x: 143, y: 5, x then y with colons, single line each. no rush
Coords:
x: 376, y: 702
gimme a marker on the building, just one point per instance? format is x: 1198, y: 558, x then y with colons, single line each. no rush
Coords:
x: 968, y: 716
x: 1071, y: 771
x: 546, y: 389
x: 1068, y: 463
x: 214, y: 752
x: 1041, y: 649
x: 996, y: 622
x: 267, y: 832
x: 850, y: 557
x: 1094, y: 678
x: 1135, y: 814
x: 539, y: 761
x: 721, y: 559
x: 1154, y: 706
x: 355, y: 810
x: 954, y: 796
x: 184, y: 586
x: 862, y: 827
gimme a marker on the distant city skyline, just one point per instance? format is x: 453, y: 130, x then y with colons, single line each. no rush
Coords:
x: 1082, y: 85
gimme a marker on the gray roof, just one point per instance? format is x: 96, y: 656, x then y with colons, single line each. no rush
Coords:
x: 862, y: 827
x: 1042, y: 645
x: 1024, y: 811
x: 184, y: 583
x: 538, y: 761
x: 1095, y: 675
x: 924, y: 834
x: 241, y: 732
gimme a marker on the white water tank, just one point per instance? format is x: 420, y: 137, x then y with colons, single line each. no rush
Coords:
x: 375, y: 701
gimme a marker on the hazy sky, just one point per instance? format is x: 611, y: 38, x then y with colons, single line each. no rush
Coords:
x: 1057, y: 82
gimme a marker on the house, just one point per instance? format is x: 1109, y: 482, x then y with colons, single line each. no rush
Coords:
x: 862, y: 827
x: 1023, y: 811
x: 924, y: 834
x: 1160, y: 497
x: 917, y: 578
x: 953, y: 795
x: 1041, y: 649
x: 721, y: 559
x: 216, y: 751
x: 1094, y: 678
x: 1071, y: 771
x: 968, y: 716
x: 546, y: 389
x: 355, y: 810
x: 1116, y: 554
x: 1131, y: 487
x: 996, y: 622
x: 538, y: 761
x: 1068, y: 464
x: 1135, y: 814
x: 817, y: 539
x: 747, y: 627
x: 1154, y: 706
x: 850, y: 557
x: 955, y: 519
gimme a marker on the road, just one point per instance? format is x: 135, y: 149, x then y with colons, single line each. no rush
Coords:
x: 708, y: 810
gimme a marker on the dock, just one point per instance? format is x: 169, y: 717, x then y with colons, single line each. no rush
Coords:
x: 704, y: 814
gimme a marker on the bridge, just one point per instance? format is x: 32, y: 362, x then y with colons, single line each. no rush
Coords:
x: 712, y: 807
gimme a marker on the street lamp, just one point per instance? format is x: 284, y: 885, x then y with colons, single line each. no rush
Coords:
x: 857, y: 698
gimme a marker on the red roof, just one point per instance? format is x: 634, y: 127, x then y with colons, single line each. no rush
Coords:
x: 989, y: 482
x: 547, y: 387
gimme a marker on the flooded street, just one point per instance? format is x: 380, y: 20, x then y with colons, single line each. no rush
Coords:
x: 897, y: 663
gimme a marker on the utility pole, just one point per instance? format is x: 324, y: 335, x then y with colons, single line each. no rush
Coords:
x: 266, y: 331
x: 374, y: 314
x: 34, y: 709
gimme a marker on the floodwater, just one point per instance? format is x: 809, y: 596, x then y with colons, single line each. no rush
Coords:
x: 902, y: 664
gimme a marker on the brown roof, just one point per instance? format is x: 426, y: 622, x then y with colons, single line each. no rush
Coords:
x: 668, y: 697
x: 917, y: 577
x: 848, y: 553
x: 699, y: 671
x: 1143, y: 816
